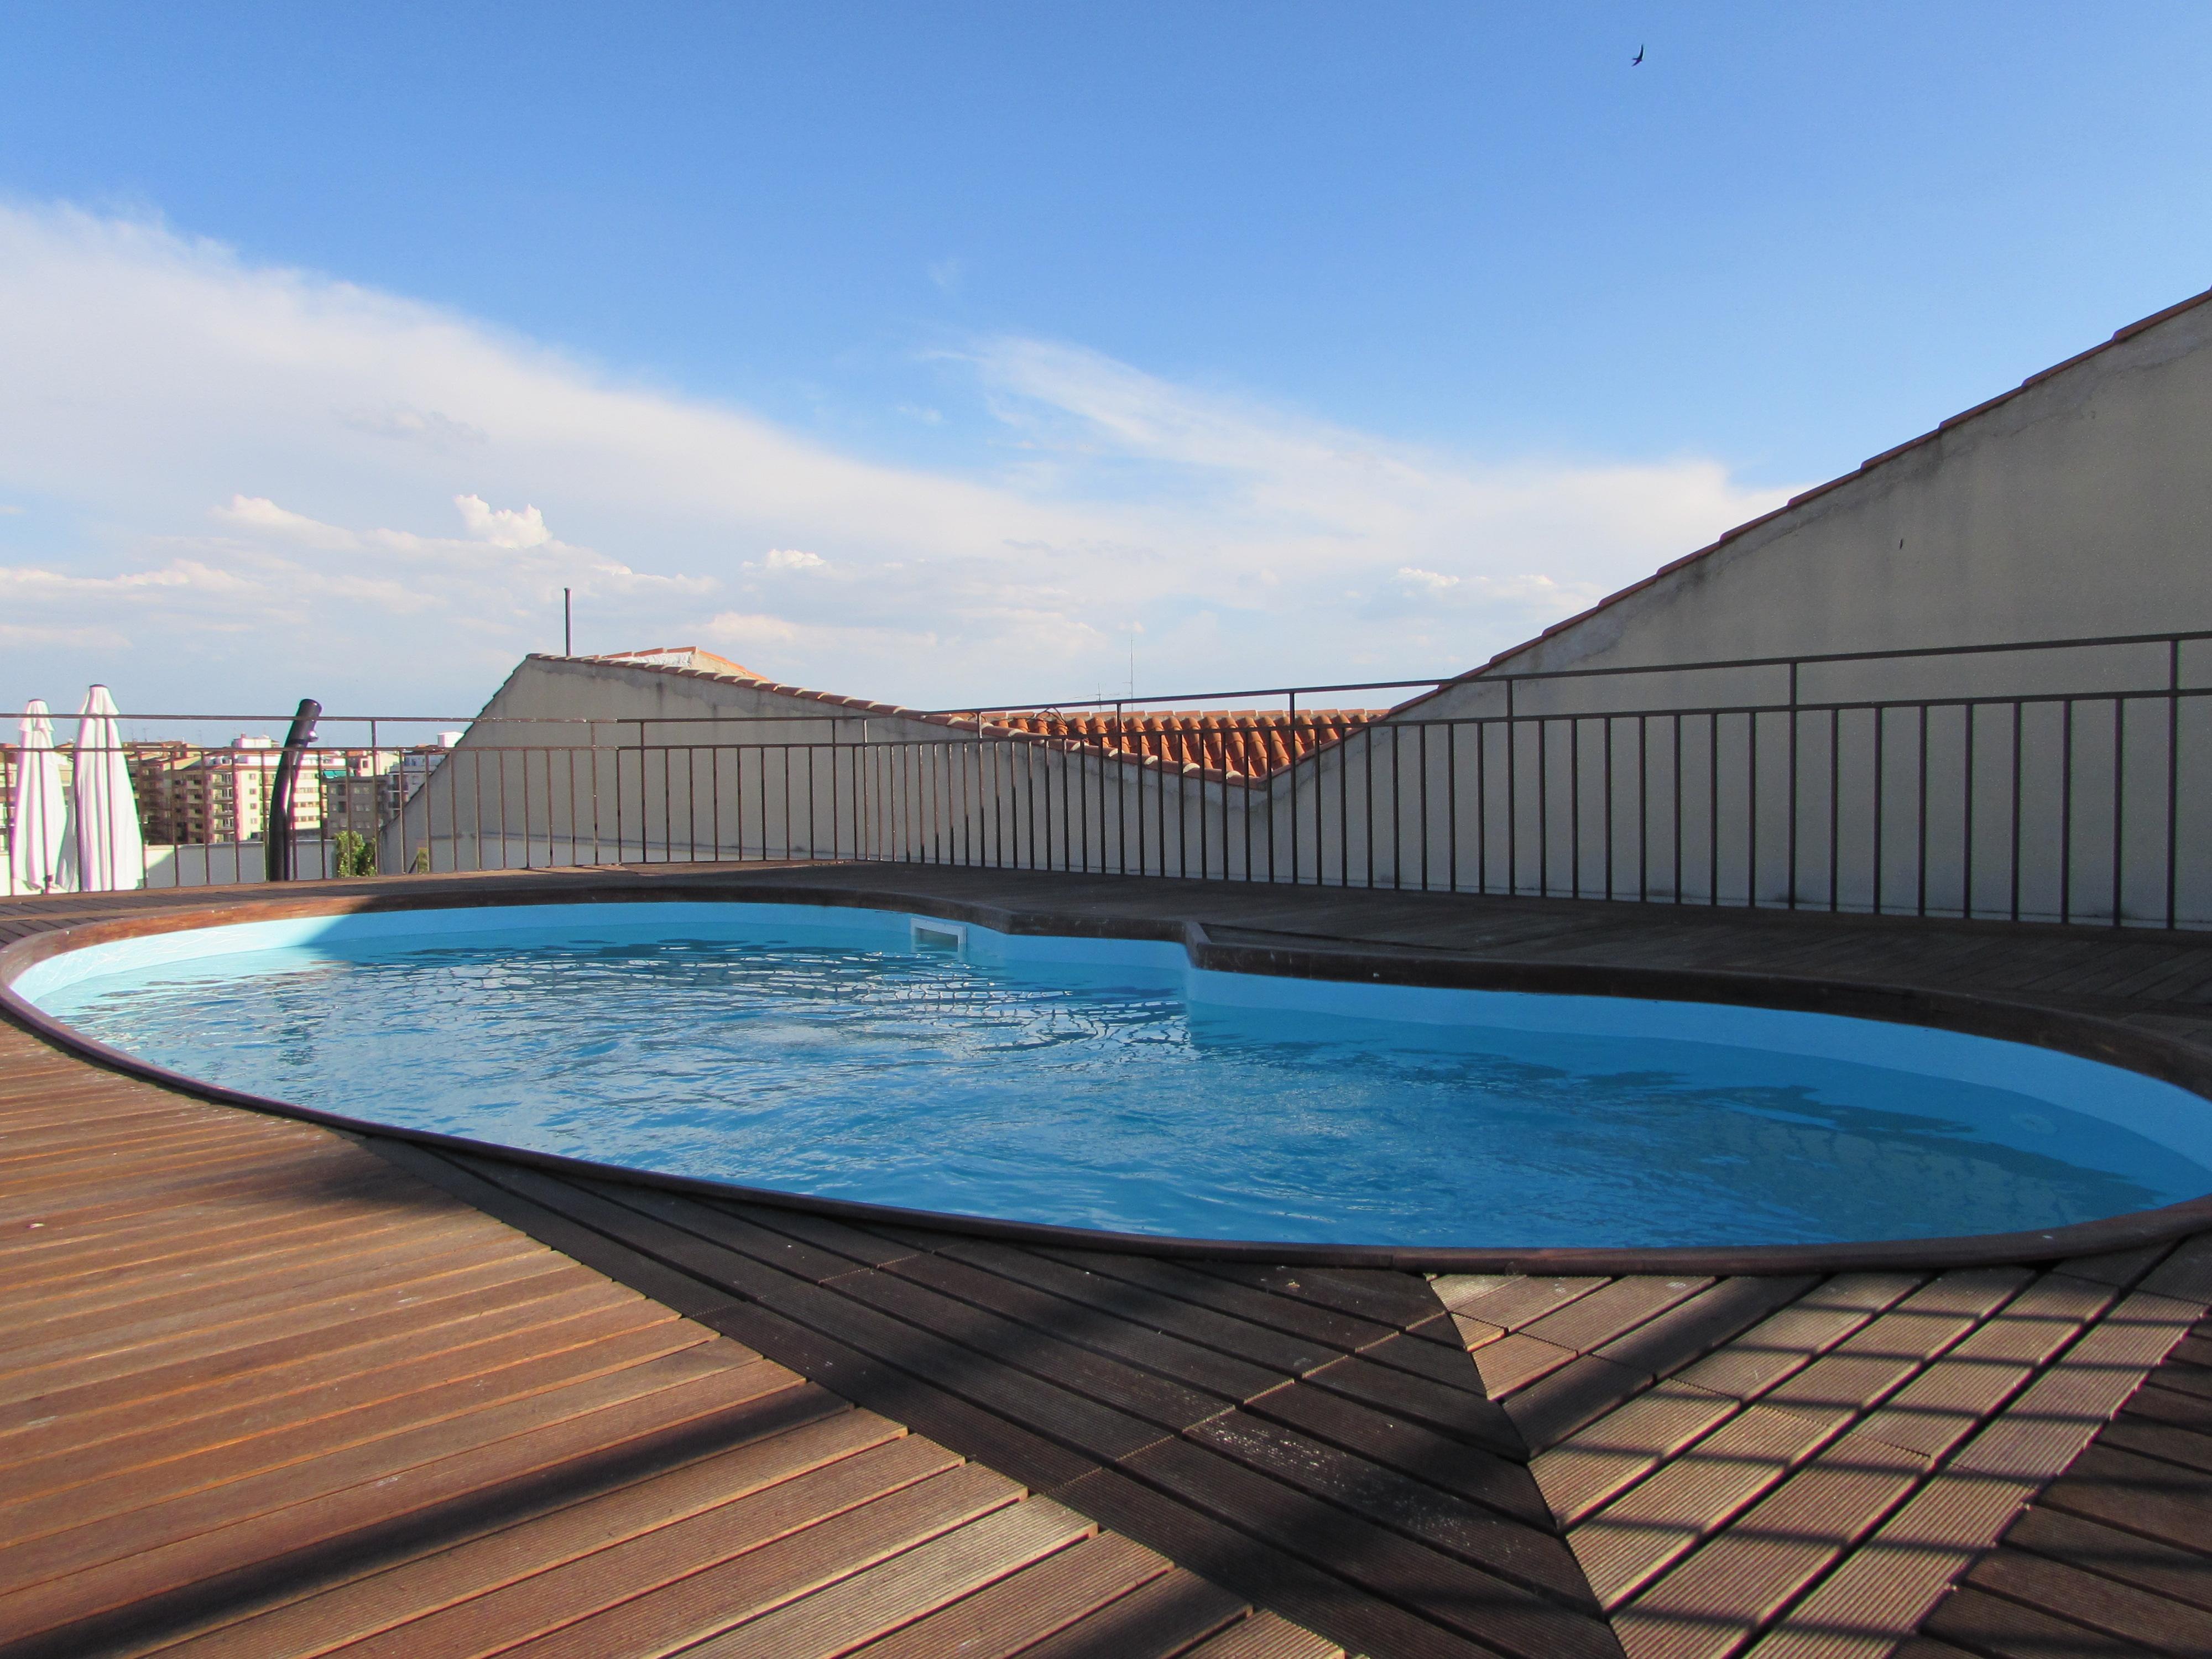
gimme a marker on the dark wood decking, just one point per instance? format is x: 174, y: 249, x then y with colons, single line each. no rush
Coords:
x: 261, y: 1392
x: 1478, y: 1464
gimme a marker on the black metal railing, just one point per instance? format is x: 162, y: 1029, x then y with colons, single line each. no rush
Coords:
x: 2066, y: 780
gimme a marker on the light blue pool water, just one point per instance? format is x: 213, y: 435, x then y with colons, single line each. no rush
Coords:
x: 1104, y: 1084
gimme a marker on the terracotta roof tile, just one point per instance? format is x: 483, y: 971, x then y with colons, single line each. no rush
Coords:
x: 1244, y: 744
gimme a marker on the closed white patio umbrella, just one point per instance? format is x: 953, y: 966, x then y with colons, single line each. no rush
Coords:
x: 38, y: 824
x: 105, y: 849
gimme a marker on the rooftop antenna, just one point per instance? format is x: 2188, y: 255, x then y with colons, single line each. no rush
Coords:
x: 568, y: 626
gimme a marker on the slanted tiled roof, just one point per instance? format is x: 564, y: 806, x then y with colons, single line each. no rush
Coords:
x: 1252, y: 741
x: 677, y: 656
x: 1243, y: 743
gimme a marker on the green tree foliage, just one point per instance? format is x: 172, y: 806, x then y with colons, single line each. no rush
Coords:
x: 356, y: 855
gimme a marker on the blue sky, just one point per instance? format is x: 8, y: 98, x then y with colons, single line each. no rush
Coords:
x: 938, y: 353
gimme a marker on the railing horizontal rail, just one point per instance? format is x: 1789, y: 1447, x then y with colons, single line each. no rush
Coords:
x: 2014, y: 794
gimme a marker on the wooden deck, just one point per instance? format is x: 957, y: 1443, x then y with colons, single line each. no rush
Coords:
x: 332, y: 1396
x: 261, y: 1392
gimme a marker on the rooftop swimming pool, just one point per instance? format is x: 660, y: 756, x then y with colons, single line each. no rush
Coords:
x: 895, y: 1059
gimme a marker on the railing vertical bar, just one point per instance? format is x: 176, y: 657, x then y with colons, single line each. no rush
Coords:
x: 1970, y: 711
x: 1643, y: 809
x: 2119, y: 801
x: 2017, y: 708
x: 1512, y: 795
x: 1369, y: 811
x: 502, y: 806
x: 1421, y: 751
x: 1880, y: 778
x: 1397, y: 807
x: 2066, y: 811
x: 1575, y: 806
x: 1713, y: 809
x: 1543, y: 807
x: 1681, y: 897
x: 575, y: 814
x: 1793, y: 787
x: 1609, y: 806
x: 1751, y: 807
x: 1920, y: 856
x: 1451, y: 805
x: 2173, y: 773
x: 1160, y: 806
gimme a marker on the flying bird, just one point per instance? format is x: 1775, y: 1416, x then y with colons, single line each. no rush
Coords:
x: 1638, y: 58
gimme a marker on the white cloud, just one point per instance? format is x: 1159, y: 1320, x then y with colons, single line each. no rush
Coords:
x: 503, y: 526
x: 150, y: 375
x: 793, y: 558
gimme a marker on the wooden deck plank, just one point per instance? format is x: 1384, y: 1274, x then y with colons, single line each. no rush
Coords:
x: 1251, y: 1567
x: 1157, y: 1620
x: 56, y: 1253
x: 1021, y: 1610
x: 620, y: 1569
x: 862, y: 1246
x: 1449, y: 1462
x: 78, y: 1455
x: 253, y: 1541
x: 1085, y: 1426
x: 1223, y: 1376
x: 1991, y: 1626
x: 1344, y: 1332
x: 1459, y: 1596
x: 96, y: 1328
x: 706, y: 1603
x: 1224, y: 1334
x: 182, y: 1384
x: 395, y: 1596
x: 1386, y: 1298
x: 46, y: 1541
x: 910, y: 1586
x: 1390, y: 1499
x: 2106, y: 1604
x: 1003, y: 1444
x: 2165, y: 1568
x: 1264, y: 1636
x: 182, y: 1339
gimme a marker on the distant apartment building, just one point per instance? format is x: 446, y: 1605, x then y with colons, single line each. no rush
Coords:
x: 172, y: 794
x: 358, y: 789
x: 189, y: 796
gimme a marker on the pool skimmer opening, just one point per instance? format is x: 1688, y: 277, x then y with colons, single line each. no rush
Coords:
x: 932, y: 935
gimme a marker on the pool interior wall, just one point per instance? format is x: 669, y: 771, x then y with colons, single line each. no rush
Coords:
x: 2175, y: 1121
